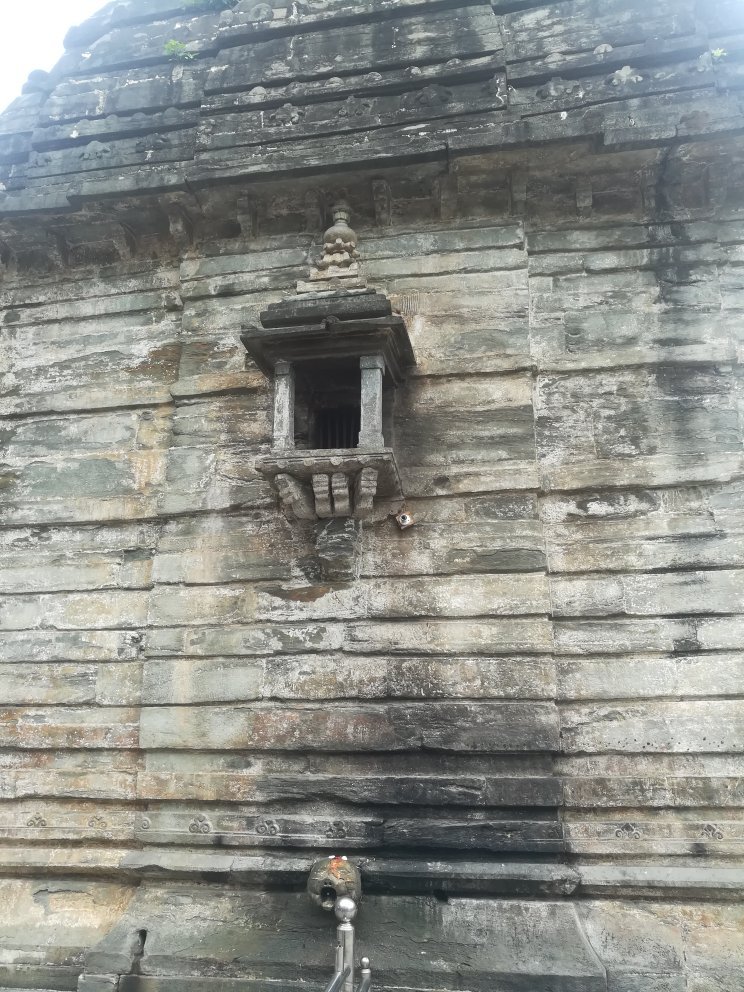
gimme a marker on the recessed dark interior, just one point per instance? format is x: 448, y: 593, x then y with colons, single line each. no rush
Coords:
x: 336, y: 427
x: 328, y: 405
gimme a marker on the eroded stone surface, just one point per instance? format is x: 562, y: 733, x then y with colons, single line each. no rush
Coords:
x: 532, y: 695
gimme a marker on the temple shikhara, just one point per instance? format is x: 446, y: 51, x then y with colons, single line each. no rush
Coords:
x: 372, y: 499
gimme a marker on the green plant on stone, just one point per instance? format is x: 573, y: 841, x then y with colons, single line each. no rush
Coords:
x: 718, y: 53
x: 177, y: 51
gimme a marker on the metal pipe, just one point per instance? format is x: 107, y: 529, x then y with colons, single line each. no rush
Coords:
x: 366, y: 983
x: 335, y: 983
x: 345, y: 910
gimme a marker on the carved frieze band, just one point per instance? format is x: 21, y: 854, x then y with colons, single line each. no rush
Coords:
x: 256, y: 829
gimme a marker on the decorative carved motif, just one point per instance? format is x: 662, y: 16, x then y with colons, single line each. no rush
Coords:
x: 331, y: 878
x: 340, y: 494
x: 322, y: 494
x: 200, y: 825
x: 337, y: 830
x: 37, y: 820
x: 628, y: 831
x: 294, y: 497
x: 407, y: 304
x: 306, y: 491
x: 97, y: 823
x: 712, y: 832
x: 366, y: 490
x: 267, y: 828
x: 339, y: 241
x: 145, y: 823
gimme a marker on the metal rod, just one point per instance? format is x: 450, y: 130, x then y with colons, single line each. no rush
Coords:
x: 346, y: 941
x: 338, y: 979
x: 366, y: 983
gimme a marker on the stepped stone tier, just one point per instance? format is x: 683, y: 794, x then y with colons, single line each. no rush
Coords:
x: 518, y: 708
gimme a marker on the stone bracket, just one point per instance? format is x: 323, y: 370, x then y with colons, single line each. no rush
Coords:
x: 330, y: 484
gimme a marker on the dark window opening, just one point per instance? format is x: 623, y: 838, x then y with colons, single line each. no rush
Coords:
x: 337, y: 427
x: 328, y: 405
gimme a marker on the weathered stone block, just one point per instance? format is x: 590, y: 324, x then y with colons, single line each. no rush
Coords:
x: 486, y: 727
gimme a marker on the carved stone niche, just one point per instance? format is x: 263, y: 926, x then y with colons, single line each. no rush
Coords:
x: 335, y: 359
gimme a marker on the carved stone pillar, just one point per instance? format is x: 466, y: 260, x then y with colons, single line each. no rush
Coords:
x: 370, y: 434
x: 284, y: 402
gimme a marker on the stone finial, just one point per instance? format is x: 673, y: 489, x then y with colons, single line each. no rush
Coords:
x: 339, y: 243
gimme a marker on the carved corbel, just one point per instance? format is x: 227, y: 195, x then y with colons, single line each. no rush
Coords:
x: 366, y: 490
x: 322, y: 493
x: 340, y: 495
x: 294, y: 497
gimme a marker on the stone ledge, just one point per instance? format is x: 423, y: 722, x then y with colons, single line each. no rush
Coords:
x: 414, y: 942
x: 659, y: 881
x: 388, y: 875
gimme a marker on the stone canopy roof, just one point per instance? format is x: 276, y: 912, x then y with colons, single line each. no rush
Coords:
x: 162, y: 95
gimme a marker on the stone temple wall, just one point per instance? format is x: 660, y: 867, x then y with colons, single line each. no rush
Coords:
x: 523, y: 715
